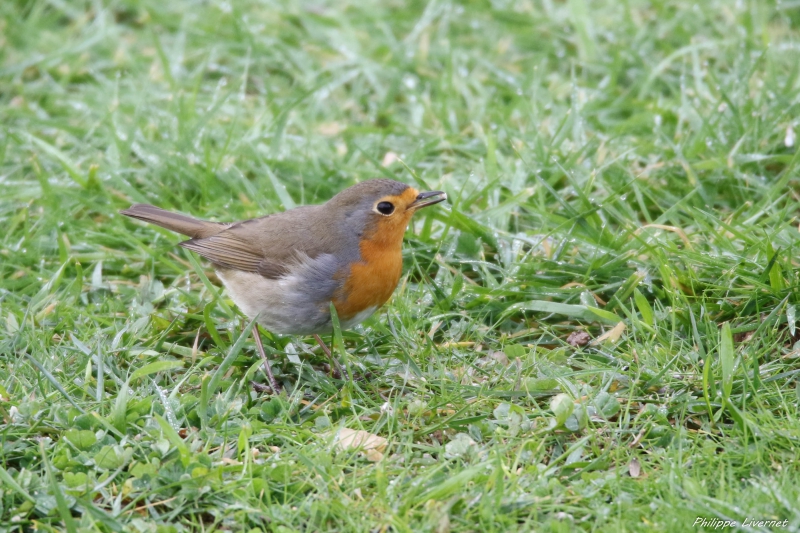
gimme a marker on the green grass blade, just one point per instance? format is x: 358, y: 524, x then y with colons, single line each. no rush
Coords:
x: 155, y: 367
x: 726, y: 360
x: 61, y: 501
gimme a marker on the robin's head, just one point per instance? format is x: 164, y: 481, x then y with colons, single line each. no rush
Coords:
x: 380, y: 209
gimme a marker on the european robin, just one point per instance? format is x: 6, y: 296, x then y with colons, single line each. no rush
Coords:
x: 285, y: 269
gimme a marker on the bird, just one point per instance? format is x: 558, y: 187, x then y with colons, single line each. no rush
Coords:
x: 284, y: 270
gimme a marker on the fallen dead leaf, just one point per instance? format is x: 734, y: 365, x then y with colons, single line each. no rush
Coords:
x: 370, y: 444
x: 634, y: 468
x: 611, y: 335
x: 500, y: 357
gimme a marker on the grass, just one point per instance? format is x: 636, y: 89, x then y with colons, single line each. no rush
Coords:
x: 609, y: 164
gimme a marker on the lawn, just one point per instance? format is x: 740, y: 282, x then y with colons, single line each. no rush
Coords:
x: 598, y: 331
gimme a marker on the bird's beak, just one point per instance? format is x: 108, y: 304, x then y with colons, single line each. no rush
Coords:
x: 424, y: 199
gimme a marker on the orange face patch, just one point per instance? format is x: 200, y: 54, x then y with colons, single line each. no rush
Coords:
x: 372, y: 280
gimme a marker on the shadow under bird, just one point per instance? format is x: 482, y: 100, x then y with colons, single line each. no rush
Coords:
x: 285, y: 269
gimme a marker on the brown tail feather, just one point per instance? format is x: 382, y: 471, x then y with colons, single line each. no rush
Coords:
x: 183, y: 224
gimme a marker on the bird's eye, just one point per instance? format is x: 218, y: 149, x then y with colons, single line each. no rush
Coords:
x: 385, y: 208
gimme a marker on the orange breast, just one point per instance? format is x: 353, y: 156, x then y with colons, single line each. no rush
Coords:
x: 372, y: 281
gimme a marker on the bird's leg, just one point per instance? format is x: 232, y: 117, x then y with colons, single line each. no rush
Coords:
x: 333, y: 359
x: 276, y: 389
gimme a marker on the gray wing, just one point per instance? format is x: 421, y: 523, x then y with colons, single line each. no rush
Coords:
x: 269, y: 245
x: 189, y: 226
x: 228, y: 251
